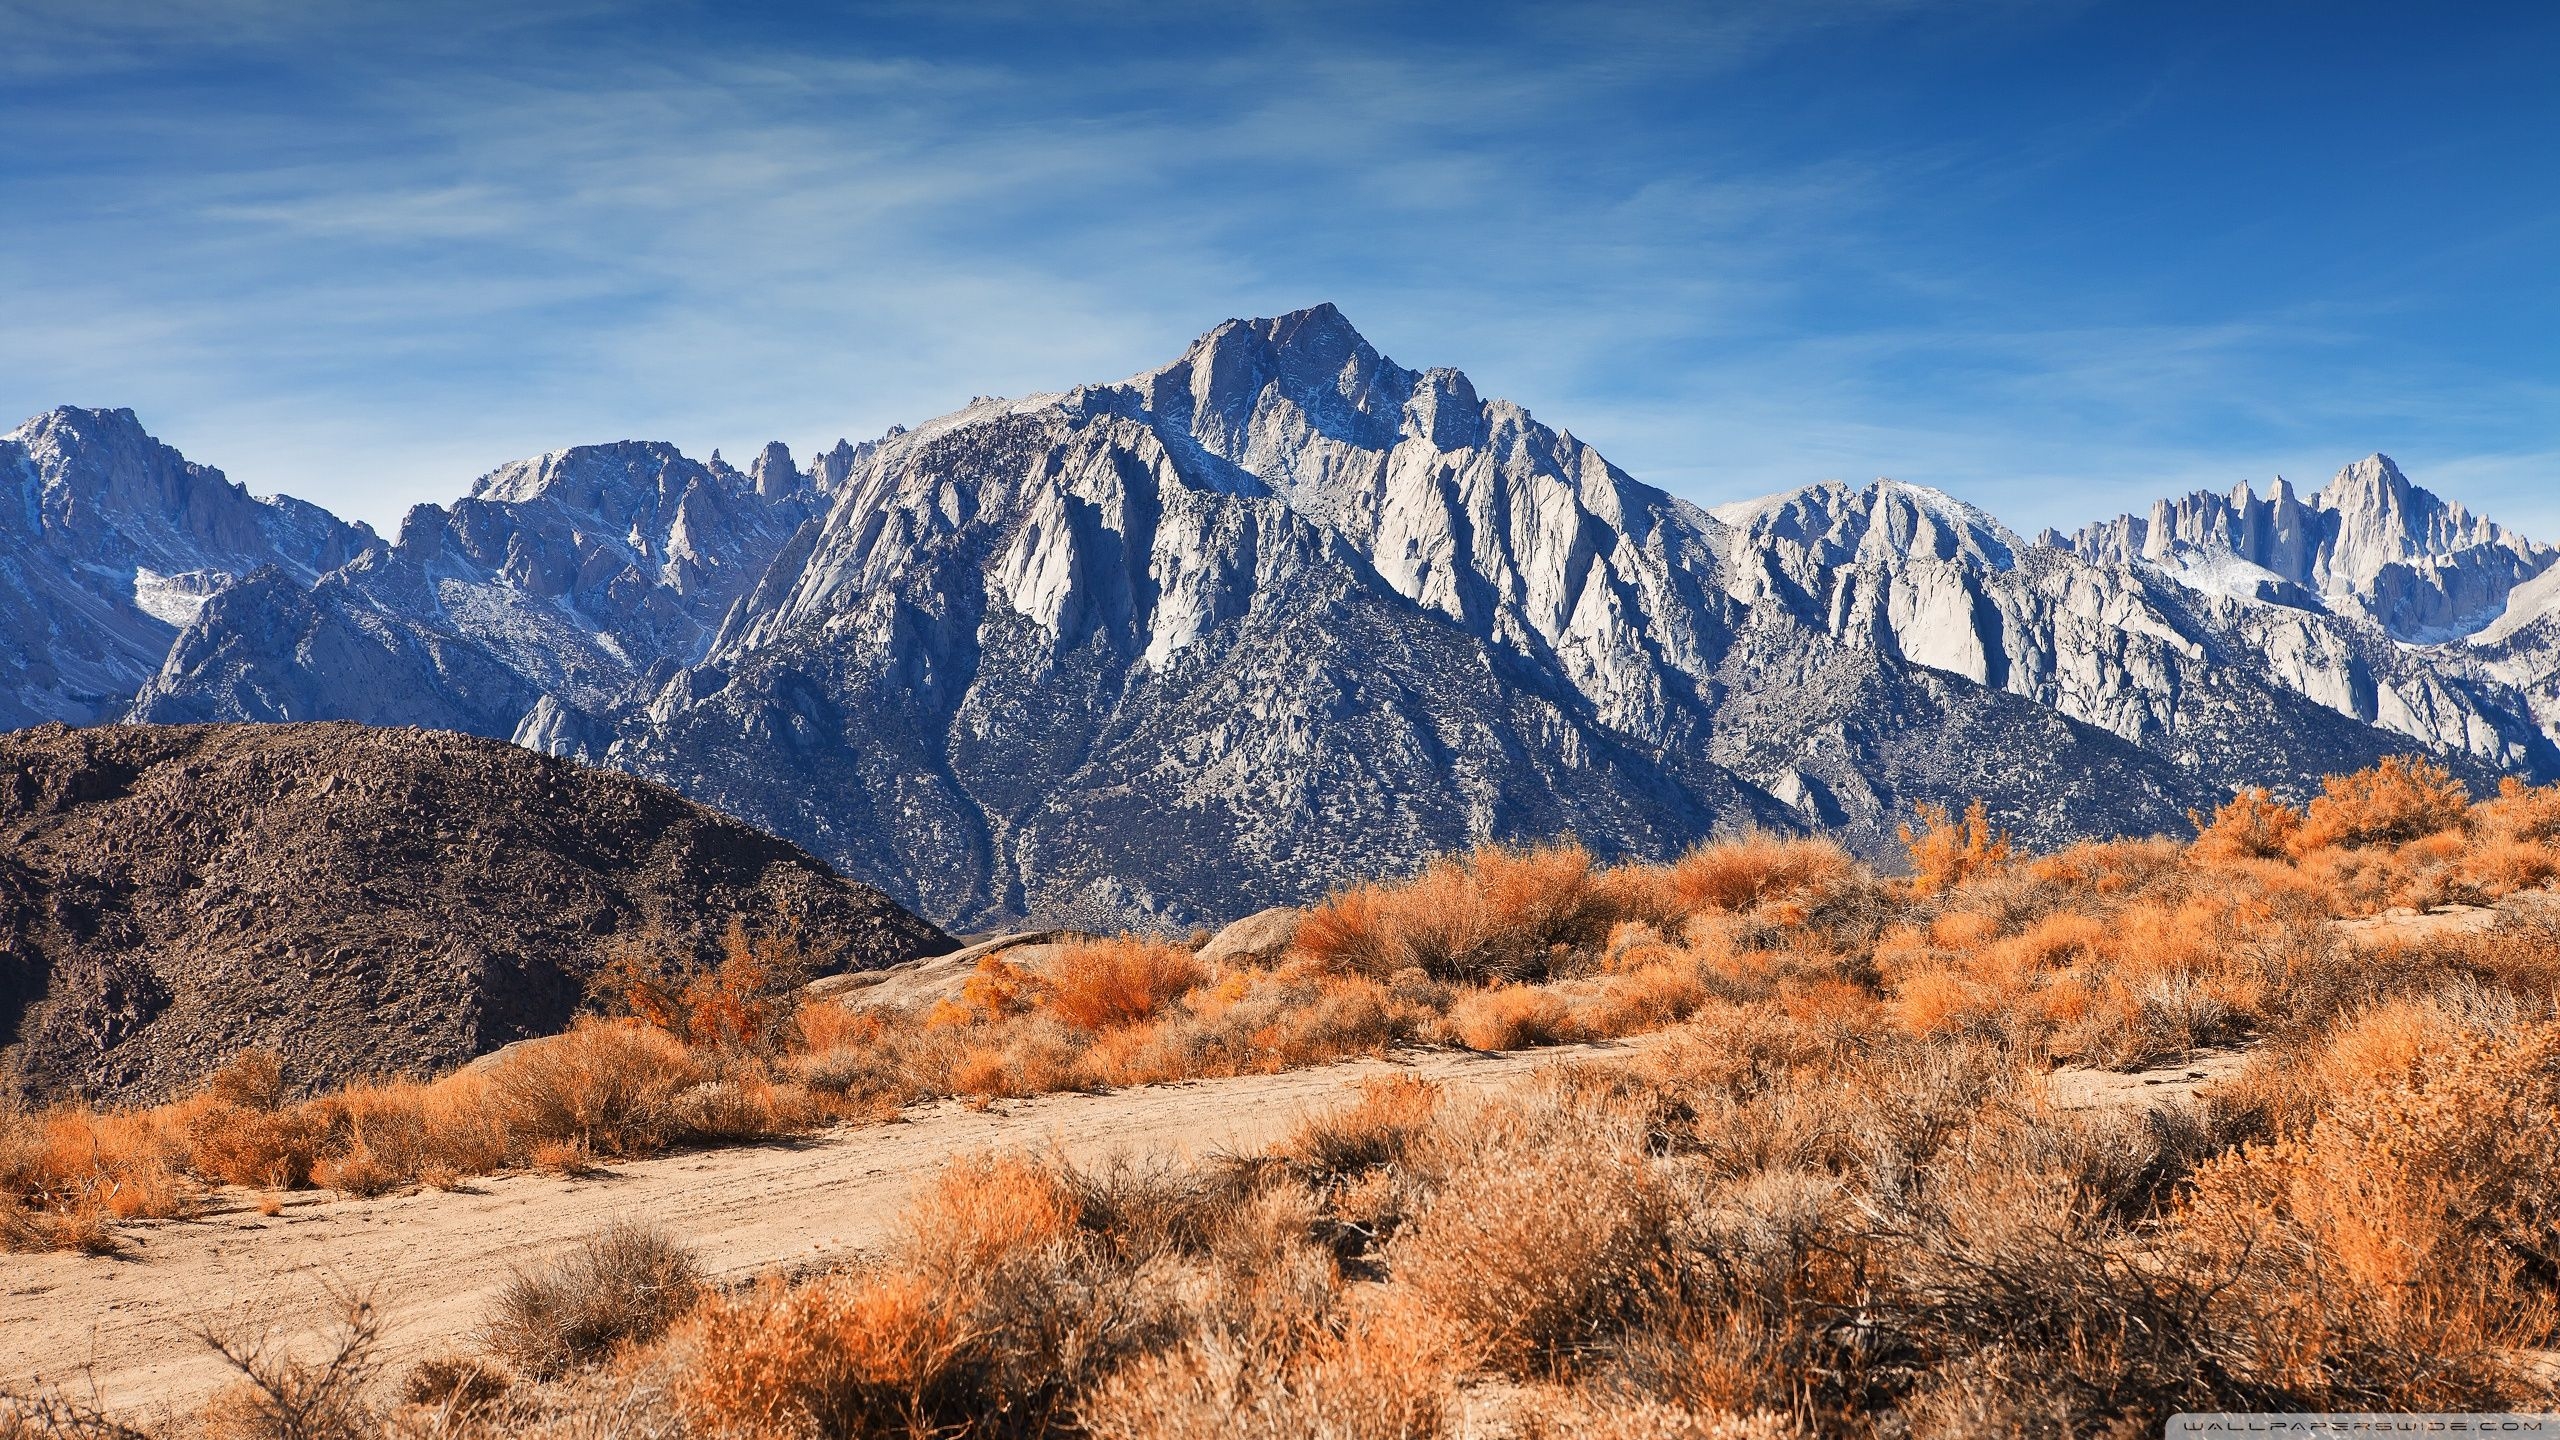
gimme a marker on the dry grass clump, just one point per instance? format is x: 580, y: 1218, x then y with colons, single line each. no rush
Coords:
x: 1947, y: 850
x: 2401, y: 1247
x: 1729, y: 876
x: 1381, y: 1376
x: 68, y: 1173
x: 627, y: 1282
x: 2252, y: 825
x: 1510, y: 1017
x: 742, y: 1001
x: 1375, y: 1131
x: 1534, y: 1251
x: 997, y: 1305
x: 1495, y: 913
x: 607, y: 1087
x: 1111, y: 984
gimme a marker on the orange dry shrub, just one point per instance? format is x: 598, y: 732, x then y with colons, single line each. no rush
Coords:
x: 1014, y: 1062
x: 1386, y: 1374
x: 66, y: 1172
x: 2514, y: 843
x: 1495, y: 913
x: 1946, y: 851
x: 2521, y: 812
x: 997, y: 990
x: 1956, y: 974
x: 1728, y: 876
x: 1510, y: 1017
x: 240, y: 1131
x: 1259, y: 1022
x: 2399, y: 800
x: 1934, y: 1002
x: 2414, y: 1214
x: 605, y: 1085
x: 857, y: 1354
x: 1375, y: 1130
x: 1633, y: 1000
x: 937, y: 1336
x: 741, y: 1002
x: 1534, y: 1245
x: 825, y: 1026
x: 2252, y: 825
x: 1110, y: 984
x: 979, y: 1211
x: 2108, y: 868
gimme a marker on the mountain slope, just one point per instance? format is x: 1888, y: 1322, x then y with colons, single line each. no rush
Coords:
x: 364, y: 901
x: 2213, y: 681
x: 539, y: 607
x: 109, y: 541
x: 2368, y: 544
x: 1282, y: 612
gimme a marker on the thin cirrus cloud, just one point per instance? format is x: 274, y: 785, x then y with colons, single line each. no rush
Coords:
x: 363, y: 253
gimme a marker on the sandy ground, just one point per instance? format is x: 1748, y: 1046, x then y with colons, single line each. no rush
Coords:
x: 119, y: 1327
x: 435, y: 1261
x: 2401, y: 923
x: 2074, y: 1088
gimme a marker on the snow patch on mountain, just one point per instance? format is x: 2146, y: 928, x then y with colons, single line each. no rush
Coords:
x: 175, y: 599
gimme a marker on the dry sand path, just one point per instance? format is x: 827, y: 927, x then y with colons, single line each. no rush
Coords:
x: 435, y: 1261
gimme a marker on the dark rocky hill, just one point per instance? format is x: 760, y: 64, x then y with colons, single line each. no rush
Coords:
x: 363, y: 901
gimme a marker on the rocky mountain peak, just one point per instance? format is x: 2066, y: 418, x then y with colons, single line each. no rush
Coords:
x: 1309, y: 365
x: 2384, y: 518
x: 612, y: 482
x: 2372, y: 485
x: 114, y: 541
x: 2370, y: 544
x: 97, y: 479
x: 1889, y: 521
x: 772, y: 470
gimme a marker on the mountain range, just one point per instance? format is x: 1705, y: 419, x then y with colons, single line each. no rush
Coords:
x: 1281, y: 613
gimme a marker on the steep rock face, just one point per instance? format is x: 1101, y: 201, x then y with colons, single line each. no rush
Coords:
x: 1040, y: 661
x: 2134, y: 649
x: 363, y: 901
x: 1519, y: 534
x: 2369, y: 545
x: 109, y: 541
x: 539, y: 608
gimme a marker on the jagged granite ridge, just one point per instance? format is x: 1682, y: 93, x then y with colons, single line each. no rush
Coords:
x: 1282, y: 611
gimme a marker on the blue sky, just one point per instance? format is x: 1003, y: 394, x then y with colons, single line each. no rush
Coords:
x: 2058, y: 258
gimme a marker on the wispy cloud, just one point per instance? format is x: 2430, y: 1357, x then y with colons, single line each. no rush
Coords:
x: 364, y: 252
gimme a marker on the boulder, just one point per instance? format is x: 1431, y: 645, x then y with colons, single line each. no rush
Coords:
x: 1257, y: 939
